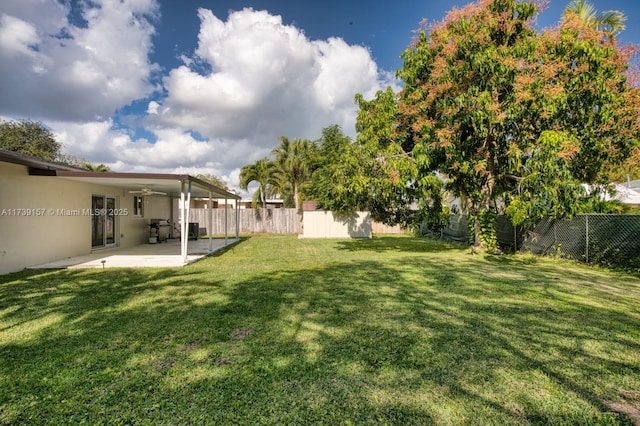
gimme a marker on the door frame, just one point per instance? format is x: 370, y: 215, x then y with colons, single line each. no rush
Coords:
x: 103, y: 221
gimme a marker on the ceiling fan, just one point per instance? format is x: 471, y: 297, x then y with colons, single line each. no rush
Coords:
x: 146, y: 191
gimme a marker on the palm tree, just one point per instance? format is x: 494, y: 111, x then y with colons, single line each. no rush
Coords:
x: 265, y: 173
x: 96, y: 168
x: 292, y: 158
x: 611, y: 21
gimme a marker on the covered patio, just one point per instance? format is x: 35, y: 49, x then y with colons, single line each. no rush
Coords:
x: 141, y: 256
x: 182, y: 188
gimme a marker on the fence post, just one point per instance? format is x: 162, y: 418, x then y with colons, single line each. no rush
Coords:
x: 586, y: 216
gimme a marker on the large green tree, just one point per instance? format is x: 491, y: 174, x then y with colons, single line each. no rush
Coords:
x: 338, y: 181
x: 266, y: 174
x: 579, y: 94
x: 487, y: 99
x: 293, y: 159
x: 29, y: 138
x: 394, y: 192
x: 457, y: 103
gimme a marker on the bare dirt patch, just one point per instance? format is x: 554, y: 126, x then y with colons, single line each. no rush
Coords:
x: 241, y: 333
x: 629, y: 406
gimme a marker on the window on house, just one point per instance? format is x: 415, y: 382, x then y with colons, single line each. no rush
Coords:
x: 138, y: 205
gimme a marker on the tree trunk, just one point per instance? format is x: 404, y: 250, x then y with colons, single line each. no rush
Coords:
x: 477, y: 242
x: 296, y: 196
x: 485, y: 201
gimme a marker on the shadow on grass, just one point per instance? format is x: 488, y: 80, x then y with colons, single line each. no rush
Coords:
x: 229, y: 247
x: 404, y: 342
x: 396, y: 243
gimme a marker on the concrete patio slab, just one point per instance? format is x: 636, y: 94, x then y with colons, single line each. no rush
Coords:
x: 166, y: 254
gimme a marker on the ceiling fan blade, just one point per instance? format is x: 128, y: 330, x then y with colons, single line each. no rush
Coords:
x: 146, y: 191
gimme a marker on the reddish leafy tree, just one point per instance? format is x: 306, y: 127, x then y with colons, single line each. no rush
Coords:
x: 506, y: 114
x: 581, y: 92
x: 458, y: 101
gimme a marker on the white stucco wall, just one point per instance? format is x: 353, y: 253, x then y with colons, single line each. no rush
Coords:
x: 49, y: 234
x: 325, y: 224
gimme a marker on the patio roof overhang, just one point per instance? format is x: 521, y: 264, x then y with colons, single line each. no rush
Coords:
x: 170, y: 184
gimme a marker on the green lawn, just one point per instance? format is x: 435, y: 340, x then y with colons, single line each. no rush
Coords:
x: 277, y: 330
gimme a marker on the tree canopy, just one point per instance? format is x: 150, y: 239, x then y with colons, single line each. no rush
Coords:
x: 500, y: 114
x: 29, y: 138
x: 213, y: 179
x: 337, y: 182
x: 82, y: 163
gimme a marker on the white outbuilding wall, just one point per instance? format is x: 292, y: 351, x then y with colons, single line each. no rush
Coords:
x: 326, y: 224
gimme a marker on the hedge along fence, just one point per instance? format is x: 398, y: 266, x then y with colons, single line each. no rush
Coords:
x: 272, y: 221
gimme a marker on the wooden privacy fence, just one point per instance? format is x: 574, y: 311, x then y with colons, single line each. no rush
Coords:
x: 381, y: 228
x: 272, y: 221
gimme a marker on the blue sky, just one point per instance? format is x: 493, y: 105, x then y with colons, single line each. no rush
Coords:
x: 385, y: 29
x: 207, y: 86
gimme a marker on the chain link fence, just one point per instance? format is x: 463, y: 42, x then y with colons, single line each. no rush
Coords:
x: 457, y: 230
x: 607, y: 239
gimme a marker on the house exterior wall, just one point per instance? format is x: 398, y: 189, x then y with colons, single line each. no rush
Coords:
x: 45, y: 218
x: 325, y: 224
x: 157, y: 207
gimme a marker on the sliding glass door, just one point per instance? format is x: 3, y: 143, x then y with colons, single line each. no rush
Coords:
x: 103, y: 221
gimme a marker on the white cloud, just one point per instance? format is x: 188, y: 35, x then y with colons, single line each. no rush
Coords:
x: 265, y: 79
x: 52, y: 68
x: 99, y: 142
x: 152, y: 108
x: 17, y: 37
x: 345, y: 70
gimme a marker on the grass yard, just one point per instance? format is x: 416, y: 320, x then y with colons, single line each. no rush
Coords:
x: 277, y: 330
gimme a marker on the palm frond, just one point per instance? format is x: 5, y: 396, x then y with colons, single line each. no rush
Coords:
x: 612, y: 20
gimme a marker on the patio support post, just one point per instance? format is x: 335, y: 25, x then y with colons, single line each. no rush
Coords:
x: 237, y: 218
x: 183, y: 228
x: 210, y: 224
x: 226, y: 222
x: 172, y: 220
x: 186, y: 224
